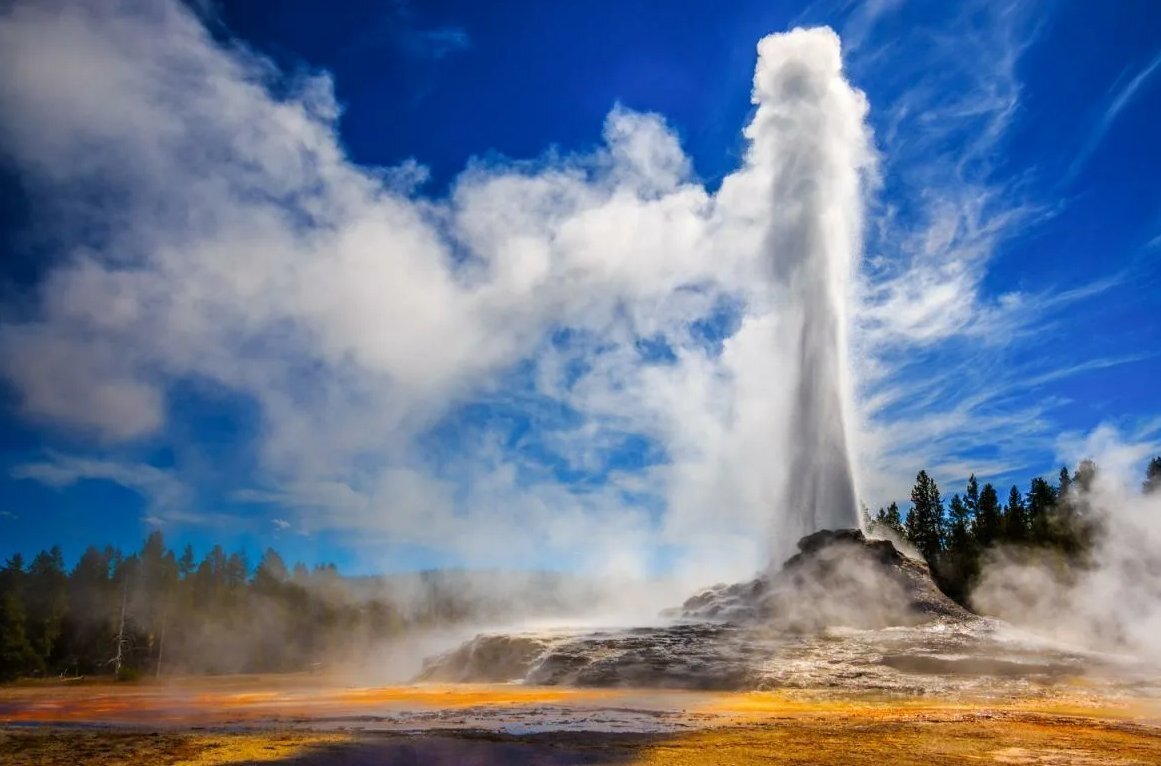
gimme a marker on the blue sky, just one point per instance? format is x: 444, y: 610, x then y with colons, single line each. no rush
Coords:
x: 155, y: 198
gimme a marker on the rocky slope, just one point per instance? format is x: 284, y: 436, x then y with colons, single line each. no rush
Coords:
x: 843, y: 612
x: 837, y: 578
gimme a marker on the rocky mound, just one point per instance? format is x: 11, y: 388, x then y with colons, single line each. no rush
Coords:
x: 771, y: 631
x: 837, y: 578
x: 705, y: 655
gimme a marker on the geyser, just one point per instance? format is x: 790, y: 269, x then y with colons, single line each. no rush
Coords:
x: 844, y: 612
x: 809, y: 132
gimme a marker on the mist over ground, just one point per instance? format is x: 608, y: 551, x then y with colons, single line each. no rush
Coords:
x: 1113, y: 603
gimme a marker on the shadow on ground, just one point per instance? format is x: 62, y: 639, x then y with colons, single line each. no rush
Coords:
x: 557, y: 749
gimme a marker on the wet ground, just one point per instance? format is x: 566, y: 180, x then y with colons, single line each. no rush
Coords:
x: 315, y: 723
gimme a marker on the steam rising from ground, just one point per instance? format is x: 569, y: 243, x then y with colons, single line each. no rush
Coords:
x: 1113, y: 605
x: 212, y: 240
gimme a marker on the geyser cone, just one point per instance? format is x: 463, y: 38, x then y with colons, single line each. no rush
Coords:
x: 744, y: 635
x: 809, y: 132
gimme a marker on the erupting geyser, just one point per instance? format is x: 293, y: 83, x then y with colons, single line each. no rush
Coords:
x: 809, y: 133
x: 844, y: 610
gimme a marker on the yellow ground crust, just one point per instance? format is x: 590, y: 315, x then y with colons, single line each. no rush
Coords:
x: 855, y: 740
x: 1055, y: 728
x: 927, y: 740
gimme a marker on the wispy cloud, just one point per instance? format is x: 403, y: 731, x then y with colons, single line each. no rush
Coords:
x: 400, y: 25
x: 63, y: 471
x: 950, y: 379
x: 435, y: 43
x: 1121, y: 98
x: 168, y: 499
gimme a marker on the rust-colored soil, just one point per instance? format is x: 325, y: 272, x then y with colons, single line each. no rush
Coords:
x: 262, y: 720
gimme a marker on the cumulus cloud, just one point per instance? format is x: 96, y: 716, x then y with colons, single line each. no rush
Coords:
x: 210, y: 231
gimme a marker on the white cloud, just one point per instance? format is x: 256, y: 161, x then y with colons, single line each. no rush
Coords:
x: 210, y: 231
x: 161, y: 488
x: 168, y: 499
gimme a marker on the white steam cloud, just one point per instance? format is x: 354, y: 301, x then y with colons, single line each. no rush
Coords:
x: 1115, y: 603
x: 210, y: 232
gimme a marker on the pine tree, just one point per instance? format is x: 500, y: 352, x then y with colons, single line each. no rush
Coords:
x: 1015, y: 517
x: 17, y: 655
x: 1085, y: 476
x: 959, y: 536
x: 1064, y: 486
x: 989, y: 522
x: 890, y: 519
x: 971, y: 499
x: 45, y: 602
x: 1041, y: 507
x: 270, y: 574
x: 1153, y: 476
x: 88, y: 625
x: 187, y: 563
x: 925, y: 520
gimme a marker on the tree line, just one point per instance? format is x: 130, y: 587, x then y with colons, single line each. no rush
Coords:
x: 154, y: 612
x: 1056, y: 518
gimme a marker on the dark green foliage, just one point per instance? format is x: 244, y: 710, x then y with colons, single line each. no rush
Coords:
x: 1085, y: 476
x: 127, y: 673
x: 1015, y: 517
x: 957, y: 565
x: 887, y: 521
x: 1040, y: 507
x: 1059, y: 518
x: 17, y: 654
x: 960, y: 518
x: 151, y: 612
x: 989, y: 519
x: 46, y: 601
x: 1153, y: 476
x: 971, y: 499
x: 924, y: 525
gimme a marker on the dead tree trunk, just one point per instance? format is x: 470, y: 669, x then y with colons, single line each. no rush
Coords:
x: 161, y: 640
x: 119, y: 658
